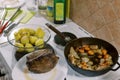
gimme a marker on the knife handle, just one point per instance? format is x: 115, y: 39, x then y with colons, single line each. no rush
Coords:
x: 55, y: 30
x: 3, y: 27
x: 6, y: 31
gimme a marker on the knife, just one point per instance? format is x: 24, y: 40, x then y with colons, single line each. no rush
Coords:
x: 12, y: 25
x: 3, y: 16
x: 5, y: 25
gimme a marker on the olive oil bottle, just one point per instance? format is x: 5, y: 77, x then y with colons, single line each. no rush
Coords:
x: 59, y: 11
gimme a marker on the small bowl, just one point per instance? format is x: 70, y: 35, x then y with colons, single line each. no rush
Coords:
x: 11, y: 38
x: 59, y: 41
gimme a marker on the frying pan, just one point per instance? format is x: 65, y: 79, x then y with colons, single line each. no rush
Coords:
x: 89, y: 41
x: 95, y: 41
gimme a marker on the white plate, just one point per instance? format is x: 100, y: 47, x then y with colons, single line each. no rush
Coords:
x: 11, y: 3
x: 20, y: 72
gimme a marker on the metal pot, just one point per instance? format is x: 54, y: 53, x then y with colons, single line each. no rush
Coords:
x: 88, y: 40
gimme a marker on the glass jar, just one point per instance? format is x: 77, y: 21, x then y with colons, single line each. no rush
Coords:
x: 50, y: 10
x: 31, y: 5
x: 42, y: 6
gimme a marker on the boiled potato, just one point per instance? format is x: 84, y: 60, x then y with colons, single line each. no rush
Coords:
x: 25, y: 33
x: 28, y: 37
x: 33, y: 39
x: 39, y: 33
x: 31, y: 31
x: 20, y: 47
x: 17, y: 36
x: 24, y: 40
x: 21, y: 30
x: 39, y: 43
x: 29, y: 47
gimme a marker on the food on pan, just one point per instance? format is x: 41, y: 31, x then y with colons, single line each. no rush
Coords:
x: 90, y: 57
x: 42, y: 61
x: 27, y: 38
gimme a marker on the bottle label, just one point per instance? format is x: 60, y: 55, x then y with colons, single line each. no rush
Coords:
x: 50, y: 11
x: 59, y: 11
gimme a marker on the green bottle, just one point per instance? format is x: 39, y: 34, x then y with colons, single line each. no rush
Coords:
x: 59, y: 11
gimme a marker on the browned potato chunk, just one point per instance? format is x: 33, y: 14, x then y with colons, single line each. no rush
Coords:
x: 81, y: 50
x: 104, y: 51
x: 94, y: 46
x: 90, y: 52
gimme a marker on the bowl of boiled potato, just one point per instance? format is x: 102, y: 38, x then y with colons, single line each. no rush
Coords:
x: 28, y: 38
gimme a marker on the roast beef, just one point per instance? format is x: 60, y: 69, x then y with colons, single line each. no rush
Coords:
x: 42, y: 61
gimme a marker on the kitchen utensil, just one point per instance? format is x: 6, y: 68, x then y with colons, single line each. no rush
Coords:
x: 3, y: 17
x: 6, y: 23
x: 60, y: 41
x: 31, y: 5
x: 95, y: 41
x: 42, y: 6
x: 11, y: 38
x: 6, y: 31
x: 66, y: 38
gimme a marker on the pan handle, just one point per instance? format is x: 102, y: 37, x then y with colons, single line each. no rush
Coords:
x: 117, y: 67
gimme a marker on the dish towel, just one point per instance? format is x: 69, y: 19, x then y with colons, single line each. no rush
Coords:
x: 28, y: 15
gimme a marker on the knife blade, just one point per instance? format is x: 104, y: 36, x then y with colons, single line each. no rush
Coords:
x: 3, y: 16
x: 12, y: 25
